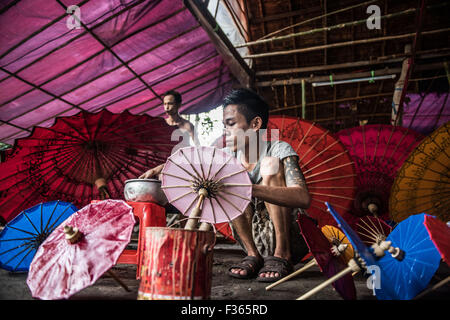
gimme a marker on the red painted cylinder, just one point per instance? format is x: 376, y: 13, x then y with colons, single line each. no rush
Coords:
x: 177, y: 264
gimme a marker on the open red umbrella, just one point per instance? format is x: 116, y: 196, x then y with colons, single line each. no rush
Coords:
x: 81, y: 250
x: 68, y: 160
x: 329, y: 171
x: 440, y: 235
x: 378, y: 152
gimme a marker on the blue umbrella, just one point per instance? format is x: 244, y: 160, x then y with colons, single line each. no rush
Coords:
x: 364, y: 253
x: 23, y: 235
x: 410, y: 274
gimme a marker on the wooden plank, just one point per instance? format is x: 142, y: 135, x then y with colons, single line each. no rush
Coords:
x: 231, y: 57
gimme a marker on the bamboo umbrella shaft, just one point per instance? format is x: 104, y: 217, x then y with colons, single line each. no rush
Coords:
x: 196, y: 212
x: 293, y: 274
x: 325, y: 283
x: 436, y: 286
x: 118, y: 280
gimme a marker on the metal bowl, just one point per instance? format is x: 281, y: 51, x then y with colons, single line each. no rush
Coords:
x: 144, y: 190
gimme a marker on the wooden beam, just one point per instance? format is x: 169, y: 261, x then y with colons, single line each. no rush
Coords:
x: 342, y: 44
x: 428, y: 54
x: 431, y: 66
x: 231, y: 57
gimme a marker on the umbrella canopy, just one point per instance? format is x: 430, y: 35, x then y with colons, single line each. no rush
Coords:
x: 410, y: 272
x: 378, y: 152
x: 24, y: 234
x: 328, y: 263
x: 372, y: 230
x: 81, y: 155
x: 81, y: 249
x: 329, y: 172
x: 423, y: 182
x: 339, y: 243
x: 123, y: 55
x: 439, y: 233
x: 191, y: 170
x: 363, y: 255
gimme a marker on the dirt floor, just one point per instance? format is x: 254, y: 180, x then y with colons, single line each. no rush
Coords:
x: 13, y: 286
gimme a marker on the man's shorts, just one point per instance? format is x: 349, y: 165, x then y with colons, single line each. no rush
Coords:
x: 264, y: 232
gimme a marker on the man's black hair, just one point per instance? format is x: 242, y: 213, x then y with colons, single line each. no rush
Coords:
x: 249, y: 103
x: 175, y: 94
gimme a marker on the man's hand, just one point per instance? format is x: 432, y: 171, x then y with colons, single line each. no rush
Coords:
x: 152, y: 172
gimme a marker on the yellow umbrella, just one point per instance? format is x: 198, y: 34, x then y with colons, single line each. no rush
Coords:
x: 422, y: 184
x: 340, y: 242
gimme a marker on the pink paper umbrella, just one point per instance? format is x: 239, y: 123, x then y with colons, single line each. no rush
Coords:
x: 80, y: 250
x: 209, y: 181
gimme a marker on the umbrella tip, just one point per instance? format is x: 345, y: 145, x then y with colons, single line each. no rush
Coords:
x: 72, y: 234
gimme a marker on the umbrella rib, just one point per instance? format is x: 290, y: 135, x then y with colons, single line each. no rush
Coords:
x: 223, y: 165
x: 324, y: 162
x: 210, y: 164
x: 33, y: 234
x: 331, y: 195
x: 220, y: 204
x: 174, y: 176
x: 320, y: 153
x: 331, y: 169
x: 25, y: 243
x: 332, y: 178
x: 314, y: 144
x: 183, y: 195
x: 190, y: 164
x: 27, y: 247
x: 374, y: 230
x: 51, y: 215
x: 424, y: 196
x: 181, y: 168
x: 187, y: 209
x: 56, y: 220
x: 236, y: 195
x: 304, y: 137
x: 201, y: 161
x: 231, y: 174
x: 176, y: 186
x: 16, y: 239
x: 370, y: 233
x: 236, y: 184
x: 30, y: 249
x: 442, y: 173
x: 213, y: 211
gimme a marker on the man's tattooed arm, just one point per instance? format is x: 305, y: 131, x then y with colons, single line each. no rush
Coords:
x: 292, y: 173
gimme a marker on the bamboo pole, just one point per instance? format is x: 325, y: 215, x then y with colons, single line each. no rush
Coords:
x: 343, y: 44
x: 338, y: 26
x: 399, y: 87
x: 426, y: 54
x: 307, y: 266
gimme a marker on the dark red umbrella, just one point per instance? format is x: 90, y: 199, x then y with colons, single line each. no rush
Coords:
x: 440, y: 235
x: 378, y: 152
x: 80, y: 158
x: 328, y: 263
x: 329, y: 171
x: 81, y: 250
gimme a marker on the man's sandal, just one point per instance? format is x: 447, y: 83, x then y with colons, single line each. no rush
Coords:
x: 274, y: 264
x: 250, y: 264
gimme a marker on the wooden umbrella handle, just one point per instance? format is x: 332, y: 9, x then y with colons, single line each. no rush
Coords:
x: 352, y: 266
x: 196, y: 212
x: 293, y: 274
x: 325, y: 283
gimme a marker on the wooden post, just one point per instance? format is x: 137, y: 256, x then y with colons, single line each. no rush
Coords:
x: 395, y: 117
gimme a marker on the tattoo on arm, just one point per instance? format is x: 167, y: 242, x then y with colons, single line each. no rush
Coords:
x: 292, y: 173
